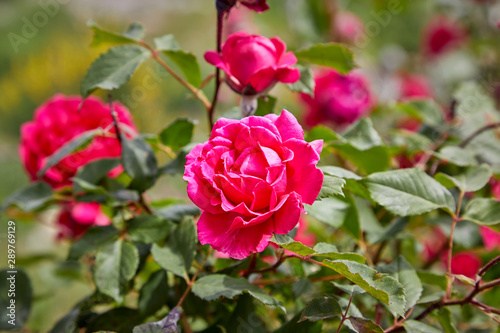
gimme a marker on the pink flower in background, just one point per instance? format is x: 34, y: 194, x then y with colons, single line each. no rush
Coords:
x: 253, y: 64
x: 348, y: 26
x: 414, y: 85
x: 491, y: 238
x: 495, y: 189
x: 434, y: 244
x: 257, y: 5
x: 58, y: 121
x: 442, y: 35
x: 251, y: 179
x: 76, y: 218
x: 465, y: 263
x: 338, y: 99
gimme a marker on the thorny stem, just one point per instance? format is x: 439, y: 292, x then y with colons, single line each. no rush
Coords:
x: 362, y: 245
x: 477, y: 133
x: 193, y: 279
x: 492, y: 263
x: 344, y: 316
x: 115, y: 120
x: 144, y: 205
x: 211, y: 111
x: 196, y: 92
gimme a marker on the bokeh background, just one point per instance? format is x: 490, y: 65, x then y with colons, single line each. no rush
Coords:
x: 52, y: 55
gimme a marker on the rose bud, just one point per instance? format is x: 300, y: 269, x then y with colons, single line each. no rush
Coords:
x: 338, y: 99
x: 253, y: 64
x: 442, y: 35
x: 77, y: 217
x: 257, y: 5
x: 58, y: 121
x: 251, y: 179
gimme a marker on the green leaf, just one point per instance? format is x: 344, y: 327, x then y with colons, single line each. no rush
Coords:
x: 473, y: 179
x: 177, y: 212
x: 339, y: 172
x: 433, y: 279
x: 321, y: 308
x: 404, y: 273
x: 134, y: 33
x: 322, y: 133
x: 176, y: 166
x: 115, y: 265
x: 119, y: 320
x: 95, y: 171
x: 289, y: 244
x: 306, y: 82
x: 456, y: 155
x: 331, y: 211
x: 178, y: 254
x: 139, y: 163
x: 389, y: 232
x: 148, y: 228
x: 331, y: 186
x: 74, y: 145
x: 483, y: 211
x: 213, y: 286
x: 375, y: 159
x: 444, y: 317
x: 409, y: 192
x: 352, y: 223
x: 186, y: 61
x: 351, y: 289
x: 362, y: 325
x: 295, y: 326
x: 94, y: 239
x: 427, y: 110
x: 177, y: 134
x: 362, y: 136
x: 329, y: 54
x: 113, y: 68
x: 154, y: 293
x: 22, y: 296
x: 265, y: 105
x: 383, y: 287
x: 413, y: 326
x: 30, y: 198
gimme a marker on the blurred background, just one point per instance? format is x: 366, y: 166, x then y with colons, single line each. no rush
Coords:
x: 45, y: 49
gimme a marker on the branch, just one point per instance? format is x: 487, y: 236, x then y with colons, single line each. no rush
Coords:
x: 211, y: 111
x: 344, y: 316
x: 196, y: 92
x: 477, y: 133
x: 492, y: 263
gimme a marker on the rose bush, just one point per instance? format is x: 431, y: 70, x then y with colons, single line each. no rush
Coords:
x: 338, y: 99
x: 251, y: 179
x: 253, y: 64
x: 76, y: 218
x: 58, y: 121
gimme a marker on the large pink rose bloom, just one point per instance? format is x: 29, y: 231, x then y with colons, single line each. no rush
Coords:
x: 442, y: 35
x: 77, y: 217
x: 338, y: 99
x: 253, y: 64
x: 251, y: 179
x: 58, y: 121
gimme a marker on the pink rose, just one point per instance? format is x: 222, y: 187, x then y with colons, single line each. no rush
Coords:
x: 491, y: 238
x: 495, y: 189
x: 253, y: 64
x: 442, y: 35
x: 77, y: 217
x: 465, y: 263
x: 251, y: 179
x: 413, y: 86
x: 338, y: 99
x: 348, y: 26
x: 257, y: 5
x: 58, y: 121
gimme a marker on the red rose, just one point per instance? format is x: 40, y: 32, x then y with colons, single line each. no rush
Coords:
x: 338, y: 99
x: 76, y: 218
x: 253, y: 64
x: 442, y: 35
x: 58, y: 121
